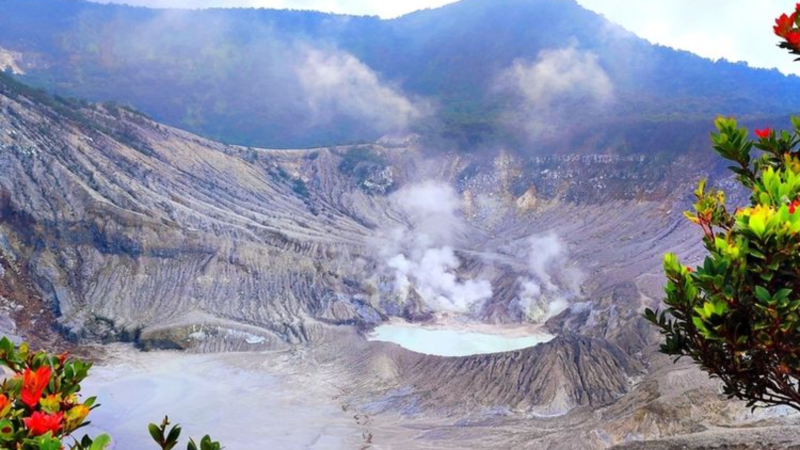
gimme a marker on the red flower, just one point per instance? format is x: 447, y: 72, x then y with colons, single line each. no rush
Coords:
x: 764, y: 134
x: 689, y: 269
x: 33, y: 384
x: 784, y: 24
x: 793, y: 37
x: 793, y: 206
x: 40, y: 423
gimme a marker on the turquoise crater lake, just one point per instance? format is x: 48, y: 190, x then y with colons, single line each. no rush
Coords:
x: 457, y: 341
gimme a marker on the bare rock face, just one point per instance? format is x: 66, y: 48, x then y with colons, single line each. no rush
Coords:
x: 23, y: 311
x: 136, y: 231
x: 128, y: 226
x: 549, y: 379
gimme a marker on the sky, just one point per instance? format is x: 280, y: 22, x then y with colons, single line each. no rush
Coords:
x: 737, y: 30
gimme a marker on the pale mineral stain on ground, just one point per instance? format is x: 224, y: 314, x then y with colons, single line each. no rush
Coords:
x: 234, y: 397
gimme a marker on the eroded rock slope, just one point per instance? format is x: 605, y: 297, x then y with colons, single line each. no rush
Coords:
x: 129, y: 230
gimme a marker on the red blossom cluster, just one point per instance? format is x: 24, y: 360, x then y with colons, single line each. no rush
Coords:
x: 764, y: 134
x: 40, y: 404
x: 40, y: 423
x: 41, y: 408
x: 794, y: 205
x: 53, y: 413
x: 788, y: 28
x: 33, y: 384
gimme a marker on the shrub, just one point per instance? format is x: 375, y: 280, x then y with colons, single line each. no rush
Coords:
x: 40, y: 403
x: 737, y: 314
x: 169, y: 439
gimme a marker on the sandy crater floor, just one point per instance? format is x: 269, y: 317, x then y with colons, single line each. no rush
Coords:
x: 246, y: 401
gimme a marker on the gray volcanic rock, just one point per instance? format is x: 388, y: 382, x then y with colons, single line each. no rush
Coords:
x: 549, y: 379
x: 136, y: 231
x: 128, y: 226
x: 774, y: 438
x: 137, y: 226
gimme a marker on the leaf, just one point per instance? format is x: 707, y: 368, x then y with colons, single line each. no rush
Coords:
x: 757, y: 224
x: 671, y: 264
x: 796, y: 119
x: 782, y: 294
x: 762, y: 294
x: 207, y: 444
x: 48, y: 442
x: 728, y: 291
x: 101, y: 442
x: 172, y: 438
x: 90, y: 402
x: 698, y: 323
x: 6, y: 346
x: 156, y: 433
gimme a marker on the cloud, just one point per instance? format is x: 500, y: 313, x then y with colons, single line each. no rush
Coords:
x: 335, y: 82
x: 552, y: 282
x: 554, y: 88
x: 557, y: 75
x: 420, y: 259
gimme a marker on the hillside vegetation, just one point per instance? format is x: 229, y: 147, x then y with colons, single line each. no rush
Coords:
x: 461, y: 73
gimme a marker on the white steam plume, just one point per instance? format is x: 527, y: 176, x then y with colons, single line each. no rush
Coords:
x: 552, y: 89
x: 420, y: 256
x: 336, y: 82
x: 552, y: 282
